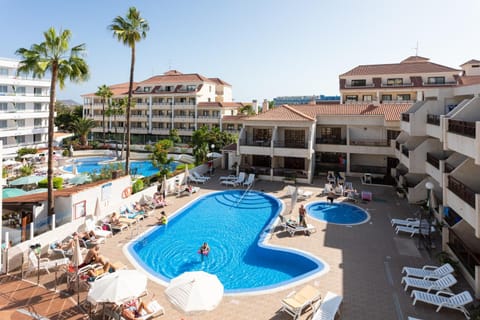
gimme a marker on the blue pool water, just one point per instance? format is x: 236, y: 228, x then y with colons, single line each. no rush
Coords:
x: 235, y: 230
x: 340, y: 213
x: 95, y: 164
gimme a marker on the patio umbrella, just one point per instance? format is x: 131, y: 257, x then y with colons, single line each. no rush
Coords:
x: 163, y: 188
x: 185, y: 178
x: 80, y: 179
x: 12, y: 192
x: 67, y: 176
x: 74, y: 169
x: 195, y: 291
x: 294, y: 199
x: 98, y: 208
x: 118, y: 287
x: 214, y: 155
x: 26, y: 180
x: 77, y: 259
x: 38, y: 190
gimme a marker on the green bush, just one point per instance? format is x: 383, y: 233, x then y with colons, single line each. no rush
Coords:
x: 57, y: 183
x: 23, y: 151
x: 137, y: 186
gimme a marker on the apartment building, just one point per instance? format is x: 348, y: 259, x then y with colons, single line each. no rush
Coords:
x: 24, y: 104
x: 173, y: 100
x: 307, y: 140
x: 413, y: 79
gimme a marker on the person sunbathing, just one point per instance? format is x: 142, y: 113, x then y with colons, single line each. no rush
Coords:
x: 93, y: 256
x: 159, y: 200
x: 133, y: 309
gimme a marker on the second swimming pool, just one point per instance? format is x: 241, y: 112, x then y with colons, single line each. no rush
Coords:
x: 234, y: 224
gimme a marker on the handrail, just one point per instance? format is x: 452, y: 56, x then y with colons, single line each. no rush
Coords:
x: 243, y: 195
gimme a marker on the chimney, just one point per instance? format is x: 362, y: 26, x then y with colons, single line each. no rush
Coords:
x: 265, y: 105
x: 255, y: 106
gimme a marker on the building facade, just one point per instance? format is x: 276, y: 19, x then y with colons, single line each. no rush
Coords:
x: 174, y: 100
x: 24, y: 104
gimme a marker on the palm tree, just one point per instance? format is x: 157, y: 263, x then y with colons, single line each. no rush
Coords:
x: 129, y: 30
x: 106, y: 94
x: 117, y: 108
x: 52, y: 56
x: 81, y: 127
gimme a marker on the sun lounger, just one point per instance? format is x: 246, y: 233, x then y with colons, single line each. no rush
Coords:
x: 35, y: 263
x: 413, y: 230
x: 292, y: 229
x: 198, y: 176
x: 97, y: 230
x: 409, y: 222
x: 234, y: 183
x: 296, y: 302
x: 191, y: 178
x: 432, y: 272
x: 250, y: 180
x: 301, y: 194
x: 443, y: 299
x: 328, y: 307
x: 230, y: 177
x: 442, y: 284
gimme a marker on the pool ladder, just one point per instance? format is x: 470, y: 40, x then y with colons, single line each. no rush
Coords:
x: 243, y: 195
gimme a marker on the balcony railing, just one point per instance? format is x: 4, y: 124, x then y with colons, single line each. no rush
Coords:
x: 446, y: 83
x: 433, y: 160
x: 461, y: 190
x: 331, y: 140
x: 301, y: 144
x: 397, y: 145
x: 464, y: 128
x: 393, y: 85
x: 405, y: 117
x: 465, y: 254
x: 448, y: 167
x: 369, y: 169
x: 433, y: 119
x: 255, y: 143
x: 405, y: 150
x: 367, y: 85
x: 370, y: 142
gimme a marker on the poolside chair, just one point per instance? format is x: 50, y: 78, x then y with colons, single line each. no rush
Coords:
x: 413, y: 230
x: 234, y: 183
x: 328, y: 307
x: 292, y: 229
x: 250, y: 180
x: 36, y: 264
x: 442, y: 284
x: 444, y: 299
x: 353, y: 196
x: 295, y: 302
x: 341, y: 178
x: 432, y: 272
x: 97, y: 230
x: 229, y: 177
x: 409, y: 222
x: 331, y: 178
x: 301, y: 194
x: 198, y: 176
x: 327, y: 189
x: 115, y: 312
x: 191, y: 178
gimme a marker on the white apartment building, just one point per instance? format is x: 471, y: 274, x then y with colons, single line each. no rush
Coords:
x: 173, y: 100
x: 24, y: 104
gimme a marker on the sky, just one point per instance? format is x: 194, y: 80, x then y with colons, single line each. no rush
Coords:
x: 263, y: 48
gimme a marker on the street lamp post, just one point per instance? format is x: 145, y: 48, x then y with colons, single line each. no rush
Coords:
x: 425, y: 222
x: 210, y: 162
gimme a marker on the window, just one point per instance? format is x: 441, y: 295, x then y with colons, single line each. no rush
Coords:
x: 403, y: 97
x: 331, y: 133
x: 395, y: 82
x: 473, y: 66
x: 386, y: 97
x: 359, y: 83
x: 205, y: 113
x: 191, y: 87
x: 294, y: 138
x: 20, y: 90
x: 20, y: 106
x: 3, y: 89
x: 436, y: 80
x: 367, y: 98
x: 21, y: 123
x: 216, y: 114
x: 230, y: 126
x: 37, y: 106
x: 3, y: 106
x: 169, y: 88
x: 37, y: 137
x: 37, y: 91
x: 3, y: 72
x: 37, y: 123
x: 139, y: 100
x: 392, y: 134
x: 147, y: 89
x: 4, y: 140
x: 20, y: 139
x: 3, y: 124
x: 351, y: 98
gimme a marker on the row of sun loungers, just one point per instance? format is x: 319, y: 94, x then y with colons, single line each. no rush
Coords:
x: 238, y: 181
x: 437, y: 282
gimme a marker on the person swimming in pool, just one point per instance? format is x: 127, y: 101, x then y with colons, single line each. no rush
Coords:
x: 204, y: 250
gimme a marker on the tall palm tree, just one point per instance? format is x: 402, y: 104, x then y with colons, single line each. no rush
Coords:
x: 105, y: 93
x: 117, y: 108
x: 54, y: 56
x: 82, y: 127
x: 129, y: 30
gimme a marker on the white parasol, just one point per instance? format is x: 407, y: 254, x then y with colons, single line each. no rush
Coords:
x: 195, y: 291
x: 118, y: 287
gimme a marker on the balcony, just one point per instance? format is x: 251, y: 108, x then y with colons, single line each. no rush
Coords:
x: 359, y: 86
x: 405, y: 117
x: 405, y: 151
x: 397, y: 145
x: 445, y: 83
x: 331, y: 140
x: 397, y: 85
x: 301, y: 144
x: 433, y: 119
x: 464, y: 128
x: 369, y: 169
x: 433, y: 160
x: 370, y: 142
x: 462, y: 191
x: 464, y: 253
x: 449, y: 167
x: 255, y: 142
x: 280, y: 172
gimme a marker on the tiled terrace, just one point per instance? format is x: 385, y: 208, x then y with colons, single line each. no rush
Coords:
x: 365, y: 264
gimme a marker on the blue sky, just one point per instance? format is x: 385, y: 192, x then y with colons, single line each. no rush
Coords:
x: 263, y: 48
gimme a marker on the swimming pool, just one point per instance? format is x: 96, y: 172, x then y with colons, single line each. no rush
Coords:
x: 235, y: 226
x: 95, y: 165
x: 339, y: 213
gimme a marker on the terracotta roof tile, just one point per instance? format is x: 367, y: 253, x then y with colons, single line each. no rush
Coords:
x: 410, y: 65
x: 283, y: 113
x: 220, y: 81
x: 470, y: 62
x: 237, y: 118
x: 117, y: 89
x: 469, y: 80
x: 220, y: 104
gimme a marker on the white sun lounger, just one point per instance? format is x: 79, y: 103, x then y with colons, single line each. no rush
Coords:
x: 328, y: 307
x: 296, y: 301
x: 444, y: 299
x: 432, y: 272
x: 442, y: 284
x: 310, y: 228
x: 409, y: 222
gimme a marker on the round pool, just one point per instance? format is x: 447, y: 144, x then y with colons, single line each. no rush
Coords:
x: 338, y: 213
x: 235, y: 224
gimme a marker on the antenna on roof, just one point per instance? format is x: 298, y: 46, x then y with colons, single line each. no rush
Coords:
x: 416, y: 50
